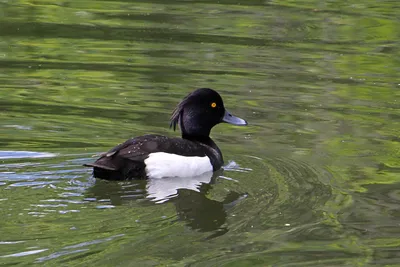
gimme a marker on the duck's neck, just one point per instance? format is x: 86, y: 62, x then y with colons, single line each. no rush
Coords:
x: 199, y: 138
x: 204, y: 139
x: 216, y: 156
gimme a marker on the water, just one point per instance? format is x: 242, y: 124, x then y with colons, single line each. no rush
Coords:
x: 312, y: 181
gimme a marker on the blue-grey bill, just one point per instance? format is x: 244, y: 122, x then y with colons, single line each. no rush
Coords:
x: 229, y: 118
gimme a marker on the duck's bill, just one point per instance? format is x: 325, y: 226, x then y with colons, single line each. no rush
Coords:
x: 229, y: 118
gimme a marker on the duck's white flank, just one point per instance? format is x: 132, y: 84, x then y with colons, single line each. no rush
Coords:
x: 161, y: 165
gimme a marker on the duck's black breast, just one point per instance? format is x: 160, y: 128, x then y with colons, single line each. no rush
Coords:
x: 127, y: 160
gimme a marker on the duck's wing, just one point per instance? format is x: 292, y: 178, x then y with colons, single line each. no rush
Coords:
x: 139, y: 148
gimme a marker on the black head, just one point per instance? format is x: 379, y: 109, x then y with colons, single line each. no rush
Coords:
x: 201, y: 110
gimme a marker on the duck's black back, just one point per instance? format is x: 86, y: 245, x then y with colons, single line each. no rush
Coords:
x: 126, y: 161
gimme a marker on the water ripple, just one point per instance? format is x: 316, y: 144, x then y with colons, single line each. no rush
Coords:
x: 24, y: 253
x: 77, y: 248
x: 25, y: 154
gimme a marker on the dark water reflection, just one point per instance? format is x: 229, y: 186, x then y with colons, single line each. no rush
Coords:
x: 187, y: 194
x: 313, y: 180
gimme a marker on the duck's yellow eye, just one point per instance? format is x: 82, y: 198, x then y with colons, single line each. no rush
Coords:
x: 213, y: 104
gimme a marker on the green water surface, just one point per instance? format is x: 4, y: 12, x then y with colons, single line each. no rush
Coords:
x: 314, y: 180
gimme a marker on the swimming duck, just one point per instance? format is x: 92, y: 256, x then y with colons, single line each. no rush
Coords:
x: 158, y: 156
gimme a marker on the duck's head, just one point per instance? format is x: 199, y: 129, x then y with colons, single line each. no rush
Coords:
x: 200, y: 111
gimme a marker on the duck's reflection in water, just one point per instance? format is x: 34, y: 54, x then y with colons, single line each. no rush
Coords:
x: 188, y: 194
x: 161, y: 190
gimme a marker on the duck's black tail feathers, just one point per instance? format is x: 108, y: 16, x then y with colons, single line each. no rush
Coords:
x: 104, y: 168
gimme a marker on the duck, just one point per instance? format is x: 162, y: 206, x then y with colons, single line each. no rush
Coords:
x: 154, y: 156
